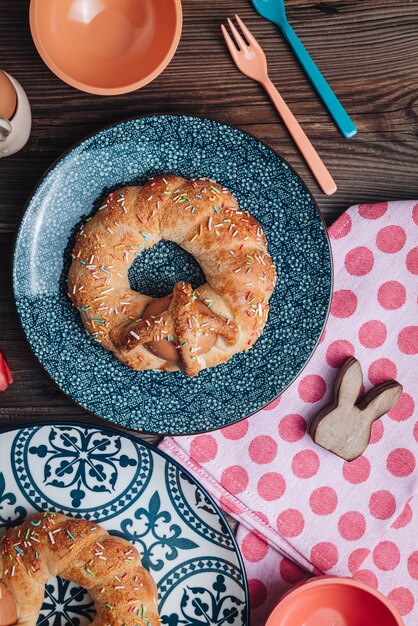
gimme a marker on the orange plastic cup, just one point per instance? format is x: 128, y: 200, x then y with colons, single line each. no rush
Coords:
x: 332, y: 601
x: 106, y: 47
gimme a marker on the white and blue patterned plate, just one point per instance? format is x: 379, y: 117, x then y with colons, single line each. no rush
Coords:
x: 131, y: 152
x: 135, y: 491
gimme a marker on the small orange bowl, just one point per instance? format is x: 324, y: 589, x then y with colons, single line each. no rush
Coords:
x: 332, y: 601
x: 106, y: 47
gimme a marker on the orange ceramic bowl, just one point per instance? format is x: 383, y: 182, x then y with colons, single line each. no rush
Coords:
x: 106, y: 47
x: 332, y: 601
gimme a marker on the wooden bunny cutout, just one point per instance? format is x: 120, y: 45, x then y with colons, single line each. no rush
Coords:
x: 343, y: 427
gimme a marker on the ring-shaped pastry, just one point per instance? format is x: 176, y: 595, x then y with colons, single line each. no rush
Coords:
x: 190, y: 329
x: 50, y: 544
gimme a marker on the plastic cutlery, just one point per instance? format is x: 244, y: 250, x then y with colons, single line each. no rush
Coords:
x: 274, y: 10
x: 251, y: 61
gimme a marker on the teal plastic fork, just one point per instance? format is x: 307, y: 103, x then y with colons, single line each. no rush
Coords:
x: 274, y: 10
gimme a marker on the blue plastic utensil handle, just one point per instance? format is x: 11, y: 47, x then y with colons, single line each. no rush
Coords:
x: 324, y: 91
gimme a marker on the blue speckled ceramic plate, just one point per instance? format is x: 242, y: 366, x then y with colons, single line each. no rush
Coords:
x: 131, y: 152
x: 135, y: 491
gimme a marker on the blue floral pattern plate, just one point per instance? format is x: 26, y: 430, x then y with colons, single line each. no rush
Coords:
x: 137, y: 492
x: 131, y: 152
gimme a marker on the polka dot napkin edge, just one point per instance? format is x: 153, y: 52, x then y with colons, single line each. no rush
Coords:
x: 301, y: 508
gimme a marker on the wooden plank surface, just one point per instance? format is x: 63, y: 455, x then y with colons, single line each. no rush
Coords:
x: 367, y: 49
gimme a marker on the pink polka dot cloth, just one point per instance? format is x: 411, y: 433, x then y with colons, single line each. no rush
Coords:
x: 302, y: 510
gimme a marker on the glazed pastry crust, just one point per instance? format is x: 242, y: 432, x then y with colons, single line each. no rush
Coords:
x: 206, y: 221
x: 48, y: 544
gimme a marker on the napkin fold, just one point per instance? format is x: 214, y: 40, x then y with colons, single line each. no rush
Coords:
x: 302, y: 510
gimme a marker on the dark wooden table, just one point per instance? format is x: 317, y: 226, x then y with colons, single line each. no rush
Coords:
x: 366, y: 48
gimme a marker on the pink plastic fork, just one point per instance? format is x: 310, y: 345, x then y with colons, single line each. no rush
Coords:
x: 251, y: 61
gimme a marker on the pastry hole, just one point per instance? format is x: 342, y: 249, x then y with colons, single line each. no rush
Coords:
x: 66, y: 604
x: 156, y: 270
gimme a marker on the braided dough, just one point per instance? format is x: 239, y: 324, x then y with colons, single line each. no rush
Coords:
x: 48, y: 544
x: 206, y: 221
